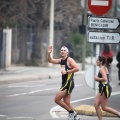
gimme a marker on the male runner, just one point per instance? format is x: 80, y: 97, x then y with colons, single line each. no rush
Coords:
x: 68, y: 67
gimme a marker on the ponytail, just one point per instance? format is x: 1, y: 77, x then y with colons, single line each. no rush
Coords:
x: 109, y: 60
x: 105, y: 60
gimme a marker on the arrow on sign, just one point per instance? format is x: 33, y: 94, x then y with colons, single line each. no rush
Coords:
x: 101, y: 37
x: 103, y: 23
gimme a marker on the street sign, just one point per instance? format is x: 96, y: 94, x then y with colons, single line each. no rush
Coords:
x: 103, y: 23
x: 102, y: 37
x: 99, y: 7
x: 89, y: 78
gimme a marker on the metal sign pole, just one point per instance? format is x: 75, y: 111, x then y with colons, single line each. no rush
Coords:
x: 96, y: 68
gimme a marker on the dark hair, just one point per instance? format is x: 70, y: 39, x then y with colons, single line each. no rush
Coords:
x: 105, y: 60
x: 109, y: 60
x: 102, y: 59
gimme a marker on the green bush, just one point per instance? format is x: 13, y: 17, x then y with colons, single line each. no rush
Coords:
x: 77, y: 42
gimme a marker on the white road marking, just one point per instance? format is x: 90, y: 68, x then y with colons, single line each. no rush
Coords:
x: 64, y: 116
x: 82, y: 99
x: 2, y: 115
x: 32, y: 92
x: 14, y: 118
x: 36, y: 91
x: 56, y: 108
x: 114, y: 86
x: 24, y: 86
x: 115, y: 93
x: 42, y: 90
x: 52, y: 111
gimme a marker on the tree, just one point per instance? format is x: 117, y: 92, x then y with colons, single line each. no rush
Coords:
x: 35, y: 13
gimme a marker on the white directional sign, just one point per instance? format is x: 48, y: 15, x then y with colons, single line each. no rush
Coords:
x: 103, y: 23
x: 102, y: 37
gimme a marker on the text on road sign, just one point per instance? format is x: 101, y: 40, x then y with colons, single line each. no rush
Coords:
x: 101, y: 22
x: 101, y: 37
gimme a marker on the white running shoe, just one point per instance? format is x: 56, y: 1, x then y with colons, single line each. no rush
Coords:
x: 76, y: 118
x: 71, y: 116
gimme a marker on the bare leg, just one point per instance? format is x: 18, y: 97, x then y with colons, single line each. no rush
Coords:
x: 104, y: 101
x: 66, y: 103
x: 97, y: 106
x: 66, y: 99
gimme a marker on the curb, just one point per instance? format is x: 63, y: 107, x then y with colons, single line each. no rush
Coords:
x: 90, y: 111
x: 25, y: 78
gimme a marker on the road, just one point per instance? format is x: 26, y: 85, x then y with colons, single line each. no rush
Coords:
x: 34, y: 100
x: 31, y: 100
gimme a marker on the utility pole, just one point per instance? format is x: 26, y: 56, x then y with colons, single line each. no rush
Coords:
x: 51, y: 32
x: 84, y: 36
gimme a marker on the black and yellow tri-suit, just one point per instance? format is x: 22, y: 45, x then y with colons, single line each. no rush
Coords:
x: 105, y: 87
x: 67, y: 79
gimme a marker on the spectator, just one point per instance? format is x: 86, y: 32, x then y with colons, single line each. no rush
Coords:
x: 107, y: 53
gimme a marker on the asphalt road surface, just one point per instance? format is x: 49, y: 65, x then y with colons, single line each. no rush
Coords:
x: 34, y: 100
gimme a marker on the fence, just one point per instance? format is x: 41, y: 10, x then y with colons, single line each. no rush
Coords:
x: 23, y: 40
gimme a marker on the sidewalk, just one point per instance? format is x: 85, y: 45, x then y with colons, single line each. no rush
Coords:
x: 15, y: 74
x: 28, y: 73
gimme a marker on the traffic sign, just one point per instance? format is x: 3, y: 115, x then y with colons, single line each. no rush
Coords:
x: 89, y: 78
x: 102, y: 37
x: 103, y: 23
x: 99, y: 7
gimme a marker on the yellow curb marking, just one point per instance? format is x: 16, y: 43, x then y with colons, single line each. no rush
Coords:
x: 90, y: 110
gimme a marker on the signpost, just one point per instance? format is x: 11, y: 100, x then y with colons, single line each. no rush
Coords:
x: 99, y: 7
x: 103, y: 23
x: 102, y: 37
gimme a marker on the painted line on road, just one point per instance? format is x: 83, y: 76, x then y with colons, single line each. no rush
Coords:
x: 52, y: 111
x: 14, y: 118
x: 2, y: 115
x: 42, y: 90
x: 25, y: 86
x: 115, y: 93
x: 36, y: 91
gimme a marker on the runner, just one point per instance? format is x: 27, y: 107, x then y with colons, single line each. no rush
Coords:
x: 68, y: 67
x: 105, y: 88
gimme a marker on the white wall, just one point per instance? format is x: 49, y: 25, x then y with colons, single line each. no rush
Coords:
x: 7, y: 44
